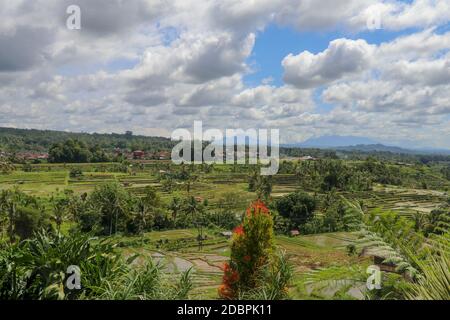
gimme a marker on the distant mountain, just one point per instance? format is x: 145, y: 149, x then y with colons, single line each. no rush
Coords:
x: 433, y: 151
x: 334, y: 141
x: 363, y: 144
x: 378, y: 147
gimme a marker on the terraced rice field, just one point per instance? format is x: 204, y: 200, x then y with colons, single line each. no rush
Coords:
x: 307, y: 253
x: 406, y: 202
x: 213, y: 186
x: 37, y: 183
x: 178, y: 250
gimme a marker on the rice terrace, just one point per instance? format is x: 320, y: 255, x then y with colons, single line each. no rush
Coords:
x: 332, y: 218
x: 248, y: 154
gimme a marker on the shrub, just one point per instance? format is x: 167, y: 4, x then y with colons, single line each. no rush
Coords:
x: 274, y: 280
x: 22, y: 213
x: 251, y: 252
x: 298, y: 207
x: 36, y: 269
x: 27, y: 167
x: 28, y: 220
x: 75, y: 173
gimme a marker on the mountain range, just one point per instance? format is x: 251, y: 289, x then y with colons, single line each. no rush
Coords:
x: 353, y: 143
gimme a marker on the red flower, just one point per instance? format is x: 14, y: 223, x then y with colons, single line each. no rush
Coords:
x: 247, y: 258
x: 239, y: 230
x: 257, y: 207
x: 225, y: 292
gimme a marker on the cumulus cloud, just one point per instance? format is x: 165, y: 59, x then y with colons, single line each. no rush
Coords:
x: 423, y: 13
x: 23, y: 47
x: 423, y: 72
x: 194, y: 58
x: 102, y: 18
x: 341, y: 58
x: 312, y: 15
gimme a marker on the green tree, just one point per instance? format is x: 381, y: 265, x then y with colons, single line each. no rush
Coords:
x: 73, y: 151
x: 22, y: 214
x: 59, y: 211
x: 148, y: 207
x: 108, y: 210
x: 175, y: 207
x: 298, y: 207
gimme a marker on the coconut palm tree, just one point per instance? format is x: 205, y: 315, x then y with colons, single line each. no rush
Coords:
x: 193, y: 207
x: 59, y: 212
x: 175, y: 206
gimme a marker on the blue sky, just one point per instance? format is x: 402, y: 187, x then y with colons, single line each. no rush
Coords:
x: 275, y: 43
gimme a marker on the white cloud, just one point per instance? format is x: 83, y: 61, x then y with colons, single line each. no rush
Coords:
x: 341, y: 58
x: 194, y: 58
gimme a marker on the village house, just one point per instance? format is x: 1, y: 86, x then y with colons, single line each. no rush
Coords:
x: 138, y: 155
x: 294, y: 233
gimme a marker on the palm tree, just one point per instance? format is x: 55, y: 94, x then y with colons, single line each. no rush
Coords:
x: 190, y: 181
x: 175, y: 206
x: 143, y: 212
x: 59, y: 212
x: 147, y: 208
x: 264, y: 187
x: 192, y: 207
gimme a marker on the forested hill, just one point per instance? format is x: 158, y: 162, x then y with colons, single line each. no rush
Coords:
x: 19, y: 140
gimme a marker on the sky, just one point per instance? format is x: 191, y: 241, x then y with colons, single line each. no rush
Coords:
x: 370, y: 68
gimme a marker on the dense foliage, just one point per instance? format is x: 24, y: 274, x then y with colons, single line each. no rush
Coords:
x: 16, y: 140
x: 75, y: 151
x: 298, y: 207
x: 37, y: 269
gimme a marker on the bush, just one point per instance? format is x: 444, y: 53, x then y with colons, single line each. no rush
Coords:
x: 298, y: 207
x: 22, y: 213
x: 27, y: 167
x: 252, y: 263
x: 75, y: 173
x: 27, y: 221
x: 274, y: 280
x: 36, y: 269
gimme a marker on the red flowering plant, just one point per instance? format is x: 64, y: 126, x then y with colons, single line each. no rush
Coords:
x: 251, y: 250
